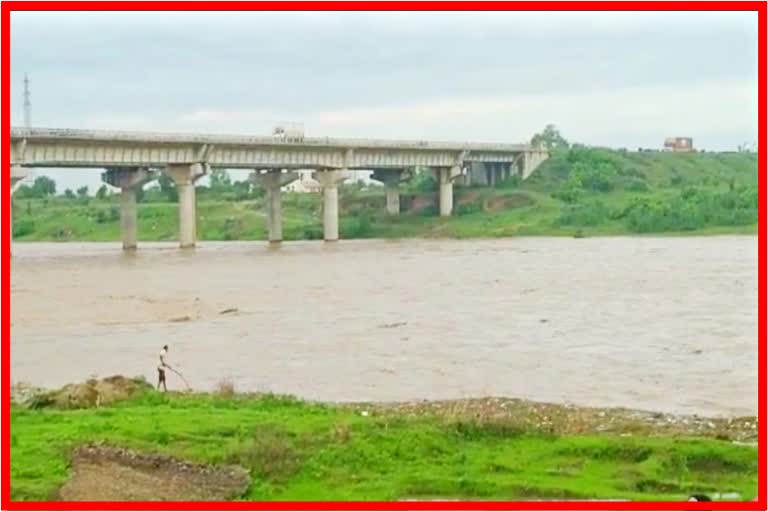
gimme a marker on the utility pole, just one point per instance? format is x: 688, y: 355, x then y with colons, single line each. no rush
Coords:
x: 27, y: 103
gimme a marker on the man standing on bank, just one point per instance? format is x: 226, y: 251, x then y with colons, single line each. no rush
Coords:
x: 161, y: 369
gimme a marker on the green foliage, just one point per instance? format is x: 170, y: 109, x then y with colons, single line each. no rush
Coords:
x: 423, y: 181
x: 22, y: 227
x: 302, y: 451
x: 635, y: 184
x: 358, y: 226
x: 549, y: 138
x: 101, y: 193
x: 693, y: 209
x: 167, y: 188
x: 590, y: 213
x: 43, y: 186
x: 468, y: 208
x: 219, y: 179
x: 579, y: 190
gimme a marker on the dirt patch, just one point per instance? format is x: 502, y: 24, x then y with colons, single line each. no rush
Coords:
x: 106, y: 473
x: 508, y: 202
x: 91, y: 393
x: 420, y: 203
x: 505, y: 413
x: 468, y: 198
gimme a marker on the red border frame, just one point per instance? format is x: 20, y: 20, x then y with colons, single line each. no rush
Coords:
x: 357, y: 5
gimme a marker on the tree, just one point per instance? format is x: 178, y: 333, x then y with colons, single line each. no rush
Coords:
x: 69, y: 194
x: 82, y: 192
x: 220, y: 179
x: 101, y: 193
x: 167, y: 188
x: 549, y: 139
x: 43, y: 187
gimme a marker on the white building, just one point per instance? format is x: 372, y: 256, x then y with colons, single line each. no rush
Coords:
x: 306, y: 183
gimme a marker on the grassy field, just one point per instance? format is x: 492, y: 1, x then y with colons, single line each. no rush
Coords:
x: 301, y: 451
x: 579, y: 192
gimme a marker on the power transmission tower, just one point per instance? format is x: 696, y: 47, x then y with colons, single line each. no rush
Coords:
x: 27, y: 103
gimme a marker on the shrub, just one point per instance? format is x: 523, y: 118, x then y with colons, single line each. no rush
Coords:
x: 468, y: 209
x: 225, y: 388
x: 23, y: 227
x: 588, y: 214
x: 357, y: 227
x: 635, y: 184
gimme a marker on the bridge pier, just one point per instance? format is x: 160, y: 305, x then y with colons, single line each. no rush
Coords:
x: 330, y: 180
x: 272, y: 181
x: 445, y: 178
x: 391, y: 178
x: 18, y: 173
x: 128, y: 180
x: 185, y: 176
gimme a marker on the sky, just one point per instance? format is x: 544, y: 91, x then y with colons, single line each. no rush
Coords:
x: 603, y: 78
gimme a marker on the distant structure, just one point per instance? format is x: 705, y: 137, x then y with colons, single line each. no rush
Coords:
x: 27, y: 104
x: 289, y: 132
x: 306, y: 183
x: 678, y: 144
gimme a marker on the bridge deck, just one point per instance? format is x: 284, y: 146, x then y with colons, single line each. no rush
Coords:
x: 67, y: 134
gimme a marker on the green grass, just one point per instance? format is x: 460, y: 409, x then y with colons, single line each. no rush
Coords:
x: 301, y: 451
x: 635, y: 193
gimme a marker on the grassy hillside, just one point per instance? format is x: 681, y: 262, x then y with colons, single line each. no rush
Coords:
x: 578, y: 192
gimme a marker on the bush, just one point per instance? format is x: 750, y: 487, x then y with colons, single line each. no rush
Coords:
x: 23, y: 227
x: 468, y: 209
x: 587, y: 214
x: 571, y: 191
x: 225, y: 388
x: 357, y: 227
x: 312, y: 232
x: 423, y: 181
x: 693, y: 209
x: 270, y: 454
x: 636, y: 185
x: 513, y: 181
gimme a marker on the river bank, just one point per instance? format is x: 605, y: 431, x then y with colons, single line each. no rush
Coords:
x: 491, y: 448
x: 577, y: 192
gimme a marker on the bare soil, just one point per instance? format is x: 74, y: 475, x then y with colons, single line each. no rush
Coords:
x: 106, y: 473
x: 91, y: 393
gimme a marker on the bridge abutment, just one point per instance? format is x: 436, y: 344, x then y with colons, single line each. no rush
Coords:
x: 329, y: 180
x: 272, y: 181
x: 185, y: 176
x: 530, y: 161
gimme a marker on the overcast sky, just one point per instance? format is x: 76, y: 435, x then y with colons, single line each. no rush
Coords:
x: 614, y: 79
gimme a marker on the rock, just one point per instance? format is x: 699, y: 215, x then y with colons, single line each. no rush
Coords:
x: 390, y: 326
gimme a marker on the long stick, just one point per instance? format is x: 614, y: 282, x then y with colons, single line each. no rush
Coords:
x: 189, y: 388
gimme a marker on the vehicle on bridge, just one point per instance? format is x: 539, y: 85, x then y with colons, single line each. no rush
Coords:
x: 289, y: 132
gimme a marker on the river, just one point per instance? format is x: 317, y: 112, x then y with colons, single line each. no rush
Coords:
x: 660, y: 323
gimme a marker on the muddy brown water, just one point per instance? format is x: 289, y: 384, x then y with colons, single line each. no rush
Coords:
x: 666, y: 324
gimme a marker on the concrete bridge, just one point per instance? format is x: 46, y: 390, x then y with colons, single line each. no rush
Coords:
x: 131, y: 159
